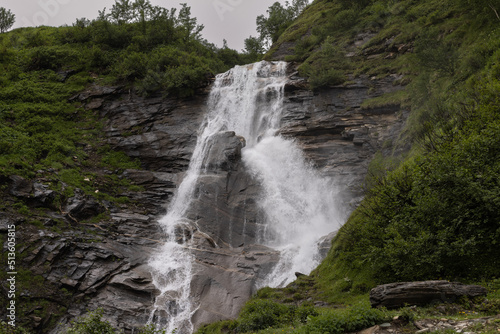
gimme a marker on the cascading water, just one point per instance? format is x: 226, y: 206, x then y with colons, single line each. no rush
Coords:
x: 298, y: 204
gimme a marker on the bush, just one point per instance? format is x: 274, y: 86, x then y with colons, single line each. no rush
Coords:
x: 49, y: 58
x: 175, y: 72
x: 345, y: 321
x: 326, y: 67
x: 132, y: 66
x: 261, y: 314
x: 91, y: 324
x: 325, y: 78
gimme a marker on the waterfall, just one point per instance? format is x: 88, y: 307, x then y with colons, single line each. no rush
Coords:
x: 297, y: 202
x: 299, y: 205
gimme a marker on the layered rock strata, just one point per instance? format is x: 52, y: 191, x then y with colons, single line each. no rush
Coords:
x: 105, y: 264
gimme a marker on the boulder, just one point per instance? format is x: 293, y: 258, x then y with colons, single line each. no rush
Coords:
x: 42, y: 195
x: 396, y: 295
x: 224, y: 151
x: 82, y: 206
x: 224, y: 280
x: 19, y: 186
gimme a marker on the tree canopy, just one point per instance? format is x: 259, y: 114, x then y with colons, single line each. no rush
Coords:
x: 7, y: 19
x: 270, y: 27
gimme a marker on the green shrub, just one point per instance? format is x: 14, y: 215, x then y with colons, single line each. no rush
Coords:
x: 260, y: 314
x: 175, y: 72
x: 119, y: 160
x: 132, y: 66
x: 326, y: 67
x: 49, y: 58
x: 325, y: 78
x: 304, y: 313
x: 6, y: 328
x: 345, y: 321
x: 151, y: 329
x: 218, y: 327
x: 91, y: 324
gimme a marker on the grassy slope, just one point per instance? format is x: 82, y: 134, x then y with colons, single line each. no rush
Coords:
x: 434, y: 215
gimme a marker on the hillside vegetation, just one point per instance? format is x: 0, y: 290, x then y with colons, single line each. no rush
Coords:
x: 152, y: 49
x: 48, y: 136
x: 431, y: 214
x: 435, y: 214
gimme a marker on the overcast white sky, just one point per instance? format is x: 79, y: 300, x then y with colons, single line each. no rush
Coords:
x: 233, y: 20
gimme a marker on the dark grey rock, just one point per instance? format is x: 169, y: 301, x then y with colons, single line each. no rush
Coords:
x: 96, y: 91
x: 42, y: 195
x: 225, y: 278
x: 338, y: 135
x: 83, y: 206
x: 224, y: 152
x: 396, y: 295
x: 20, y: 187
x: 160, y: 132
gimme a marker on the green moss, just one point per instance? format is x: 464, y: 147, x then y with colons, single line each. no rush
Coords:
x: 399, y: 97
x: 118, y: 160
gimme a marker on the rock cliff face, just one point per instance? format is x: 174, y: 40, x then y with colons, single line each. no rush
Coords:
x: 106, y: 264
x: 336, y: 133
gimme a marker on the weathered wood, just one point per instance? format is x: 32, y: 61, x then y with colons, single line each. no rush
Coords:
x: 396, y: 295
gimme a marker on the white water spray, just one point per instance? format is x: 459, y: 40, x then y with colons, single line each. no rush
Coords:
x: 299, y: 205
x: 297, y: 202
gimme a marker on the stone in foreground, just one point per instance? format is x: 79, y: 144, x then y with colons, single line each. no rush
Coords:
x: 396, y: 295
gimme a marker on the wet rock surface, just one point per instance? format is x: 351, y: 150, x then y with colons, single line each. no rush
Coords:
x: 160, y: 132
x: 224, y: 204
x: 337, y: 133
x: 225, y: 278
x: 105, y: 263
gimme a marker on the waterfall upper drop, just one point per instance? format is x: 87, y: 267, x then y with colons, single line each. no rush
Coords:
x: 246, y: 185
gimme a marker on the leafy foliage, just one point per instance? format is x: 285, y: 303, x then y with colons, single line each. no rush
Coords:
x: 155, y: 50
x: 7, y: 19
x: 320, y: 69
x: 344, y: 321
x: 258, y: 315
x: 270, y: 27
x: 279, y: 18
x: 90, y: 324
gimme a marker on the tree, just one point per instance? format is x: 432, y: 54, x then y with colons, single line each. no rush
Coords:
x: 279, y: 18
x: 488, y: 8
x: 253, y: 46
x: 192, y: 29
x: 7, y: 19
x: 122, y: 11
x: 298, y: 6
x: 143, y: 10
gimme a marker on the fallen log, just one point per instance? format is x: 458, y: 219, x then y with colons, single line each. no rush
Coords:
x: 395, y: 295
